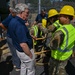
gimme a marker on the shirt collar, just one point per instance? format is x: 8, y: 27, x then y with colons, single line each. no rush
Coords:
x: 20, y: 19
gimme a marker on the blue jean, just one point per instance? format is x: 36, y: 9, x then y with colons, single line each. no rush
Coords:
x: 15, y: 58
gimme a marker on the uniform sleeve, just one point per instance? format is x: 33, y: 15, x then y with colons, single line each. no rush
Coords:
x: 32, y: 31
x: 43, y: 29
x: 56, y: 40
x: 51, y: 28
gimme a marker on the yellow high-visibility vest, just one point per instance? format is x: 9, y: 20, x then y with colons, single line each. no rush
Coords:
x: 35, y: 27
x: 35, y: 33
x: 66, y: 48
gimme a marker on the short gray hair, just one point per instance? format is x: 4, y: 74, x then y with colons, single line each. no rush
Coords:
x: 21, y: 7
x: 12, y: 9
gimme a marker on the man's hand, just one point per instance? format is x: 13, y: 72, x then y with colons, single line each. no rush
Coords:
x: 26, y: 49
x: 27, y: 24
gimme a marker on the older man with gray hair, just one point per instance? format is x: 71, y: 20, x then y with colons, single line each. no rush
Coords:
x: 22, y: 40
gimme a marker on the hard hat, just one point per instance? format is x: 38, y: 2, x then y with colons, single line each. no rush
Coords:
x: 67, y: 10
x: 44, y: 22
x: 52, y: 12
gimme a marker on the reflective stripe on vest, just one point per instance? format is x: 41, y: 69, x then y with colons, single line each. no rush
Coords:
x: 57, y: 24
x: 35, y: 33
x: 67, y: 36
x: 35, y: 30
x: 65, y: 50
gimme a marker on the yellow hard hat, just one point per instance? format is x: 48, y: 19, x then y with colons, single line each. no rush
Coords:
x: 44, y: 22
x: 67, y: 10
x: 52, y: 12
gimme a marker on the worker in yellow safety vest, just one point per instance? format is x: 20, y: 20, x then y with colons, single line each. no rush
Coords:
x: 53, y: 22
x: 62, y: 42
x: 51, y: 25
x: 36, y: 33
x: 44, y: 21
x: 52, y: 17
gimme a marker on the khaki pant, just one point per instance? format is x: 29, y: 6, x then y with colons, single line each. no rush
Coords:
x: 27, y: 64
x: 57, y: 67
